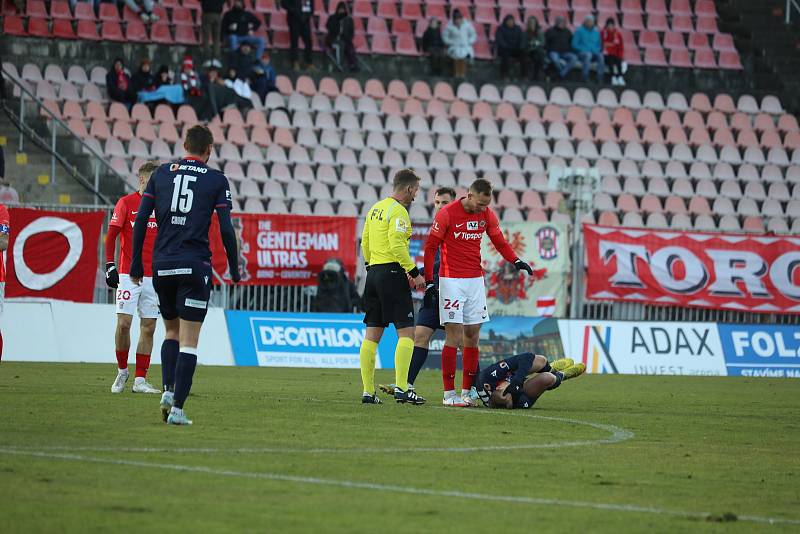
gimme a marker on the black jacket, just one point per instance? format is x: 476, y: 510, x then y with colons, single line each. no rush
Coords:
x: 335, y: 293
x: 432, y: 38
x: 143, y: 81
x: 114, y: 92
x: 212, y: 6
x: 558, y: 40
x: 294, y: 8
x: 508, y: 38
x: 340, y: 27
x: 243, y: 64
x: 239, y: 22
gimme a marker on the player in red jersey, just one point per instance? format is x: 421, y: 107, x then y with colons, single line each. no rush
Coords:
x: 5, y: 229
x: 458, y: 229
x: 132, y: 297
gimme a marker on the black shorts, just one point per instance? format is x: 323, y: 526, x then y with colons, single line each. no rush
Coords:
x: 429, y: 317
x: 183, y: 289
x: 387, y: 297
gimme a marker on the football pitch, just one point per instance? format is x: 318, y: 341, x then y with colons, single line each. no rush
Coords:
x: 294, y: 450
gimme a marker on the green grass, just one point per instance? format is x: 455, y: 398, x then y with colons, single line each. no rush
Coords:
x: 699, y: 445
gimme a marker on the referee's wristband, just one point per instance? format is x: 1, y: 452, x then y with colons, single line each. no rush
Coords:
x: 413, y: 273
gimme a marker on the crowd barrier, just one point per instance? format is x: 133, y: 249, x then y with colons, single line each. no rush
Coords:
x: 55, y: 331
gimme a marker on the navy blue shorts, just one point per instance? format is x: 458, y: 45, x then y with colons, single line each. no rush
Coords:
x: 183, y: 289
x: 429, y: 317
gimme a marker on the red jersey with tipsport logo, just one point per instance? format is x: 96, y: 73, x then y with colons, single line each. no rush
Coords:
x: 124, y: 216
x: 459, y: 234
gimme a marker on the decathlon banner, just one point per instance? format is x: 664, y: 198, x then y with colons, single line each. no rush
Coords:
x: 545, y: 246
x: 275, y: 339
x: 761, y: 350
x: 644, y: 348
x: 53, y: 254
x: 756, y: 273
x: 286, y: 249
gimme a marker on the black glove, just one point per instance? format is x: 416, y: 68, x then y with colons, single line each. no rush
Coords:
x: 431, y: 299
x: 112, y: 276
x: 522, y: 266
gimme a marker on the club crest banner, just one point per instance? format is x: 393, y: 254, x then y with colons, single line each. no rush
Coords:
x: 545, y: 246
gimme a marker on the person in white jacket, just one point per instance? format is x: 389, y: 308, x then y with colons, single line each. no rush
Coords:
x: 460, y: 36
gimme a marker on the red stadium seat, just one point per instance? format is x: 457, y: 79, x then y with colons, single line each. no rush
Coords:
x: 706, y: 25
x: 655, y: 57
x: 111, y: 31
x: 648, y: 39
x: 159, y: 33
x: 36, y: 8
x: 183, y: 16
x: 411, y: 11
x: 135, y: 32
x: 723, y: 42
x: 705, y: 8
x: 387, y: 9
x: 12, y: 25
x: 60, y: 10
x: 84, y: 11
x: 38, y: 27
x: 657, y: 23
x: 108, y: 12
x: 730, y: 60
x: 682, y: 23
x: 673, y: 41
x: 62, y: 29
x: 704, y: 59
x: 186, y: 35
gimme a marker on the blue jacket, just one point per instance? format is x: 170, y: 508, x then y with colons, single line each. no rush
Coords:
x: 584, y: 40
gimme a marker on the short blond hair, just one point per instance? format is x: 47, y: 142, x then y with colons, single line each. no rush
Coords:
x: 147, y: 168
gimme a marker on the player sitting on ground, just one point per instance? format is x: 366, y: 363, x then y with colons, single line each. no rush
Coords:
x: 132, y: 297
x: 184, y: 195
x: 519, y: 381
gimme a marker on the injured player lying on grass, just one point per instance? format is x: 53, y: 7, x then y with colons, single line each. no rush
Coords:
x: 519, y: 381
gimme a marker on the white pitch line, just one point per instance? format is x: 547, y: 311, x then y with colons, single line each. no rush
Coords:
x: 628, y: 508
x: 617, y: 435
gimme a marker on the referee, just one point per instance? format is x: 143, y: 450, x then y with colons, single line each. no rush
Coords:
x: 387, y: 295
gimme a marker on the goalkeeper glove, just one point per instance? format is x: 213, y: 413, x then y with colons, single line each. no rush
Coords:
x: 112, y: 276
x: 522, y: 266
x: 431, y: 299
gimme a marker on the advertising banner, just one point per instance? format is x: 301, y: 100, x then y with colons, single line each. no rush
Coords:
x: 761, y: 350
x: 545, y: 246
x: 745, y: 272
x: 644, y: 348
x: 273, y: 339
x: 286, y: 249
x: 52, y: 254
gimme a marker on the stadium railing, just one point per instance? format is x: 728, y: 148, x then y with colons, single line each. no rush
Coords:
x: 55, y: 147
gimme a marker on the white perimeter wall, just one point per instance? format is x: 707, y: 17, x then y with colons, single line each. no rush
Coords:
x: 58, y: 331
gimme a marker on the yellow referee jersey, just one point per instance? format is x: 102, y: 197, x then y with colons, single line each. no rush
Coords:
x: 387, y: 232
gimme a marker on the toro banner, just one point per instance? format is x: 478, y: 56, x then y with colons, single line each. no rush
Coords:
x: 756, y: 273
x: 53, y: 254
x: 510, y: 292
x: 286, y: 249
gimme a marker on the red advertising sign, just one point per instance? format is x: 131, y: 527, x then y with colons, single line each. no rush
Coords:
x: 53, y: 254
x: 286, y: 249
x: 757, y: 273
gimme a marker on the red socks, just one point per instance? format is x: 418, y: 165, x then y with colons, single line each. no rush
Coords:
x: 449, y: 361
x: 122, y: 359
x: 142, y: 364
x: 470, y: 367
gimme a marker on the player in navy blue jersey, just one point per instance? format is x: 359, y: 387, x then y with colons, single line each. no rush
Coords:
x: 518, y: 381
x: 184, y: 195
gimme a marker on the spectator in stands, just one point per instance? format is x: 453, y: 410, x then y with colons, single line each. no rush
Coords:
x: 433, y: 45
x: 533, y: 48
x: 244, y: 65
x: 143, y: 8
x: 190, y: 81
x: 614, y: 51
x: 144, y: 79
x: 589, y: 46
x: 8, y: 195
x: 119, y: 85
x: 210, y: 27
x: 298, y: 14
x: 239, y: 26
x: 509, y: 41
x: 460, y: 36
x: 163, y: 77
x: 217, y: 95
x: 341, y: 30
x: 558, y: 43
x: 336, y: 293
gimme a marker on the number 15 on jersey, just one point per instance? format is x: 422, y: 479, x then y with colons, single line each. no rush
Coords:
x: 182, y: 197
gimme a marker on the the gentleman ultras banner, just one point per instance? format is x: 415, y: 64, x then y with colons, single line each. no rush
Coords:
x: 53, y: 254
x: 756, y: 273
x: 286, y: 249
